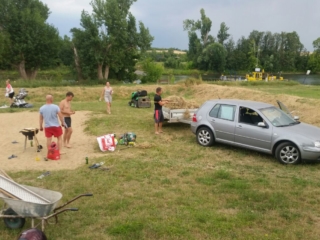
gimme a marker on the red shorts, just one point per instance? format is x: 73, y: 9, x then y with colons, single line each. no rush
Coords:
x: 53, y: 131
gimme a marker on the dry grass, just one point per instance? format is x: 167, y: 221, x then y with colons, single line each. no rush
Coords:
x: 176, y: 102
x: 306, y: 108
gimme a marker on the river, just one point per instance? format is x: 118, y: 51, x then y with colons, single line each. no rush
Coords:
x: 313, y: 79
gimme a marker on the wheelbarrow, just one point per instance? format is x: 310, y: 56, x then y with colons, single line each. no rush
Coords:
x: 22, y: 201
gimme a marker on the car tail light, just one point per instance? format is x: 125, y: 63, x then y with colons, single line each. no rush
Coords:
x: 194, y: 118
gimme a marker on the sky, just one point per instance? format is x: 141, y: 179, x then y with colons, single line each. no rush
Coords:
x: 164, y: 18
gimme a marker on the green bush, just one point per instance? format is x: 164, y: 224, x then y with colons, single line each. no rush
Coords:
x: 152, y: 70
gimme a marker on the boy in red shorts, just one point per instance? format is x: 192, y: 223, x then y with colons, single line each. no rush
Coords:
x: 49, y: 113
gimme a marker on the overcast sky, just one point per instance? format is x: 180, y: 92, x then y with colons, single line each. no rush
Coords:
x: 164, y: 18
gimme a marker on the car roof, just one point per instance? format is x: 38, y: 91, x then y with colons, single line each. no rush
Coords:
x: 245, y: 103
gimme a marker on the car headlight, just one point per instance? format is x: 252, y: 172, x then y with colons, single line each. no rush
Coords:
x: 317, y: 144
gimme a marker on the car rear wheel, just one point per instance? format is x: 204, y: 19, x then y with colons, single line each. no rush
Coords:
x: 288, y: 153
x: 205, y: 137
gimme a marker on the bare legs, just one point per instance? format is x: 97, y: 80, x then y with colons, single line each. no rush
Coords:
x: 67, y: 136
x: 158, y: 127
x: 49, y: 140
x: 10, y: 101
x: 59, y: 142
x: 108, y: 107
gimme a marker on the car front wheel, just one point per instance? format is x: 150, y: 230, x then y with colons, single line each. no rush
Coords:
x: 288, y: 153
x: 205, y: 137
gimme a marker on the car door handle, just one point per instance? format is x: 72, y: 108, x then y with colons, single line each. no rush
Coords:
x: 239, y: 126
x: 212, y: 120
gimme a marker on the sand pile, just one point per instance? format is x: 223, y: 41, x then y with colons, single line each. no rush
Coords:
x: 176, y: 102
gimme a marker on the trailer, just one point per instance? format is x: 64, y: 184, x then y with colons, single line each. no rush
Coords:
x: 178, y: 115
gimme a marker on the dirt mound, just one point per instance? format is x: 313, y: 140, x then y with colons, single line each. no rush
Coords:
x: 305, y: 108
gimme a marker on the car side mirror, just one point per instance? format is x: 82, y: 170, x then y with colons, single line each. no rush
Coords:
x: 296, y: 118
x: 262, y: 124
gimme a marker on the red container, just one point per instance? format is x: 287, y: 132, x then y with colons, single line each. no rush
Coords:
x: 53, y: 152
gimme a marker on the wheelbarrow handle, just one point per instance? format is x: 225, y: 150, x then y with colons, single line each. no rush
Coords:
x: 58, y: 212
x: 88, y: 194
x: 72, y: 200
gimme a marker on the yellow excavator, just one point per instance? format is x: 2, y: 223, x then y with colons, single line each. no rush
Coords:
x: 258, y: 75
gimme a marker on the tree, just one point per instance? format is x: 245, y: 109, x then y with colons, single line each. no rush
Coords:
x: 110, y: 40
x: 223, y: 34
x: 314, y: 59
x: 88, y: 47
x: 196, y: 44
x: 33, y: 43
x: 4, y: 49
x: 214, y: 56
x: 230, y: 59
x: 195, y: 47
x: 152, y: 70
x: 66, y: 51
x: 316, y: 45
x: 203, y: 25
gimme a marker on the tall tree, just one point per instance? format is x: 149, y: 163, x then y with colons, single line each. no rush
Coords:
x: 223, y: 34
x: 198, y: 44
x: 33, y: 43
x: 203, y: 26
x: 109, y: 39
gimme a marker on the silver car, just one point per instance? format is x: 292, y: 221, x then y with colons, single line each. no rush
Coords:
x: 257, y: 126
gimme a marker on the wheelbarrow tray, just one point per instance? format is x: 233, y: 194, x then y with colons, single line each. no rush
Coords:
x: 31, y: 209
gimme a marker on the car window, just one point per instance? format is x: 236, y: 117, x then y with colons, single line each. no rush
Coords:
x: 249, y: 116
x: 227, y: 112
x: 277, y: 117
x: 214, y: 111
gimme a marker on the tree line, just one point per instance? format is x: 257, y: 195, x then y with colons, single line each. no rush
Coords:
x: 274, y: 52
x: 110, y: 41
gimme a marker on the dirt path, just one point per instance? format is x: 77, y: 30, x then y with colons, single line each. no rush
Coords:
x: 72, y: 158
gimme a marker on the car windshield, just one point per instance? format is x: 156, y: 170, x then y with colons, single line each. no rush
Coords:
x: 277, y: 117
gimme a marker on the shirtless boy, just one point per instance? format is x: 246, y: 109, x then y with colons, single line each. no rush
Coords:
x: 65, y: 108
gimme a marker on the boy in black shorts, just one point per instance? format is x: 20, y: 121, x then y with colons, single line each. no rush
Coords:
x: 158, y: 115
x: 65, y: 108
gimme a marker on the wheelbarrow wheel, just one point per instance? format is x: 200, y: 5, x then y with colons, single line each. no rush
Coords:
x: 13, y: 223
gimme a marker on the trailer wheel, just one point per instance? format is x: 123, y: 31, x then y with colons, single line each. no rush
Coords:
x: 13, y: 223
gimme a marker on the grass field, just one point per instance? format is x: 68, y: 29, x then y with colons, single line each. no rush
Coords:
x: 169, y: 187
